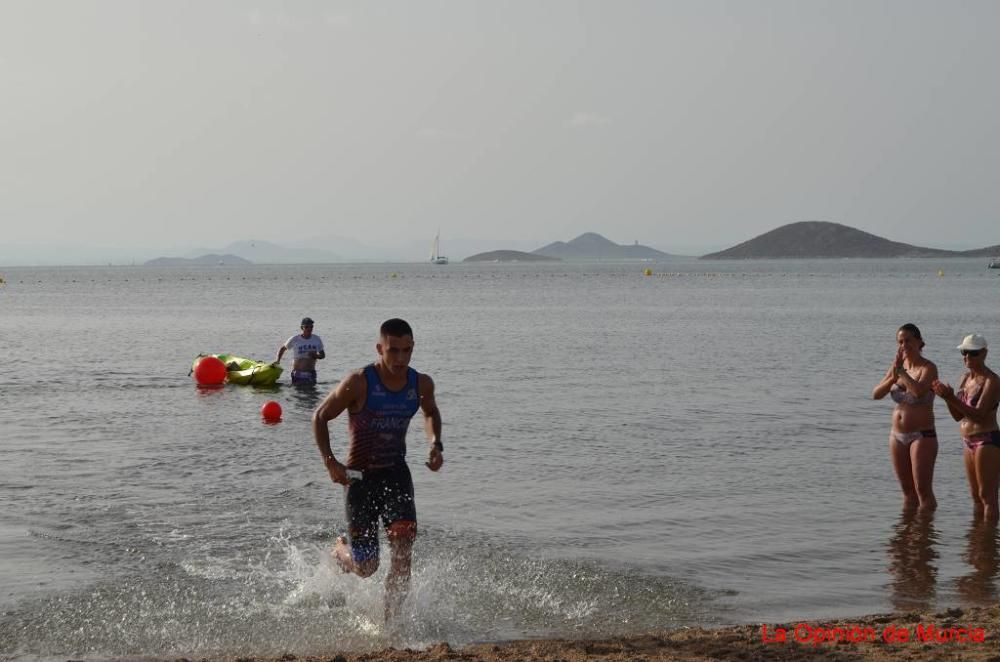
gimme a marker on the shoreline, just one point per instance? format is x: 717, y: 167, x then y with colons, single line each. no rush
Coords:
x: 960, y: 634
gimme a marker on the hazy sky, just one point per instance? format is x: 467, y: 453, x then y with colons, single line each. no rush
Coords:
x: 684, y: 125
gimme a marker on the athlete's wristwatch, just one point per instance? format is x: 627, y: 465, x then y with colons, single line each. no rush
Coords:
x: 439, y: 446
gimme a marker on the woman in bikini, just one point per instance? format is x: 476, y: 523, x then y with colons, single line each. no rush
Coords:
x: 974, y: 406
x: 913, y: 442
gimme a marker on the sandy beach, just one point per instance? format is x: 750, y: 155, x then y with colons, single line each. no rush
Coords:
x: 954, y: 634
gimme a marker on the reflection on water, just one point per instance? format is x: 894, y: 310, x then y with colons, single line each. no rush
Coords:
x: 979, y: 585
x: 912, y: 557
x: 305, y: 397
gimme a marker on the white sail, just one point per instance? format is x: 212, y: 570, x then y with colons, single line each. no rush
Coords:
x: 436, y: 257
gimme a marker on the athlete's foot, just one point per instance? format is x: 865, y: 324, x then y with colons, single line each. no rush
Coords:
x: 341, y: 554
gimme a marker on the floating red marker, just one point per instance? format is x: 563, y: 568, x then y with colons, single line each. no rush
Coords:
x: 209, y: 371
x: 271, y: 411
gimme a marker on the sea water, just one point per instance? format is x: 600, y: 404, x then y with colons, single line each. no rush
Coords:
x: 623, y: 453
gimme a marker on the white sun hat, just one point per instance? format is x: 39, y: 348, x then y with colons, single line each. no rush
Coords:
x: 973, y: 341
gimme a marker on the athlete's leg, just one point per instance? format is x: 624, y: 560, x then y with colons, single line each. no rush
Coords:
x: 360, y: 555
x: 401, y: 535
x: 400, y: 519
x: 343, y: 555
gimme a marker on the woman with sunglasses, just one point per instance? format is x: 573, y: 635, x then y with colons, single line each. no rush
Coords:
x: 913, y: 442
x: 974, y: 406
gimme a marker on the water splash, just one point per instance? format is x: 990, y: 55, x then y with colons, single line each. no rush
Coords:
x: 291, y: 598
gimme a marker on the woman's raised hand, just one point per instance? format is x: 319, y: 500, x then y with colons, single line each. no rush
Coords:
x: 942, y: 389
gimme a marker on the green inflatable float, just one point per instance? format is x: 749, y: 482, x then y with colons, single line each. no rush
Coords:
x: 247, y: 372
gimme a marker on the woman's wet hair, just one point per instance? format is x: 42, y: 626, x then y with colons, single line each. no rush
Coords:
x: 912, y: 329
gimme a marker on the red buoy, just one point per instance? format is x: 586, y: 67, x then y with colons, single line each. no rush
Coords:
x: 209, y: 371
x: 271, y: 411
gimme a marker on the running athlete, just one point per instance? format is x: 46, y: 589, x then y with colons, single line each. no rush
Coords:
x: 913, y: 444
x: 974, y: 406
x: 380, y: 400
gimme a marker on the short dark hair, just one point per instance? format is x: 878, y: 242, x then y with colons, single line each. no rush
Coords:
x: 395, y: 327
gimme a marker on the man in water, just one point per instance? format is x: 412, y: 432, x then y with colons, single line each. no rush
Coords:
x: 306, y: 348
x: 380, y: 400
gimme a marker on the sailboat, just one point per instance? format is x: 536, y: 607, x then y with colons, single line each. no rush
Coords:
x: 436, y: 257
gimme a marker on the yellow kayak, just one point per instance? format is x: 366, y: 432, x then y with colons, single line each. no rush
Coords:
x: 247, y: 371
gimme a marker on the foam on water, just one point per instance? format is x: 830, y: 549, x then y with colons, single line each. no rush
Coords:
x: 292, y: 599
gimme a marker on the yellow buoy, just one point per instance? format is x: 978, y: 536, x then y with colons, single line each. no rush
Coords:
x: 647, y: 272
x: 940, y: 272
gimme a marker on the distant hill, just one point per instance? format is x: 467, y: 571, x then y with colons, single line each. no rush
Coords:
x: 207, y: 260
x: 592, y: 246
x: 263, y: 252
x: 989, y: 251
x: 821, y: 239
x: 509, y: 256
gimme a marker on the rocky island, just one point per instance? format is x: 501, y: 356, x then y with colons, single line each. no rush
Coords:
x: 592, y: 246
x: 588, y: 246
x: 822, y: 239
x: 509, y: 256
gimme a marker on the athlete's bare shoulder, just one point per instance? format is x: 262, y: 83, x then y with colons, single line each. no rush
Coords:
x: 348, y: 394
x: 424, y: 383
x: 352, y: 390
x: 354, y: 381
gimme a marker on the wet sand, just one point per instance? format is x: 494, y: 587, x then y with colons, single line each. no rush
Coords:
x: 954, y: 634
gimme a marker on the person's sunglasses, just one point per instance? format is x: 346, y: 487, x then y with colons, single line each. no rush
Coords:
x: 972, y: 352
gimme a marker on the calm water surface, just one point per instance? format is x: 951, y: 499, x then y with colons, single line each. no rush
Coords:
x: 623, y: 453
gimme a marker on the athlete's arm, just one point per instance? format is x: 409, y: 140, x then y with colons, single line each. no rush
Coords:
x: 432, y: 422
x: 332, y: 406
x: 281, y: 352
